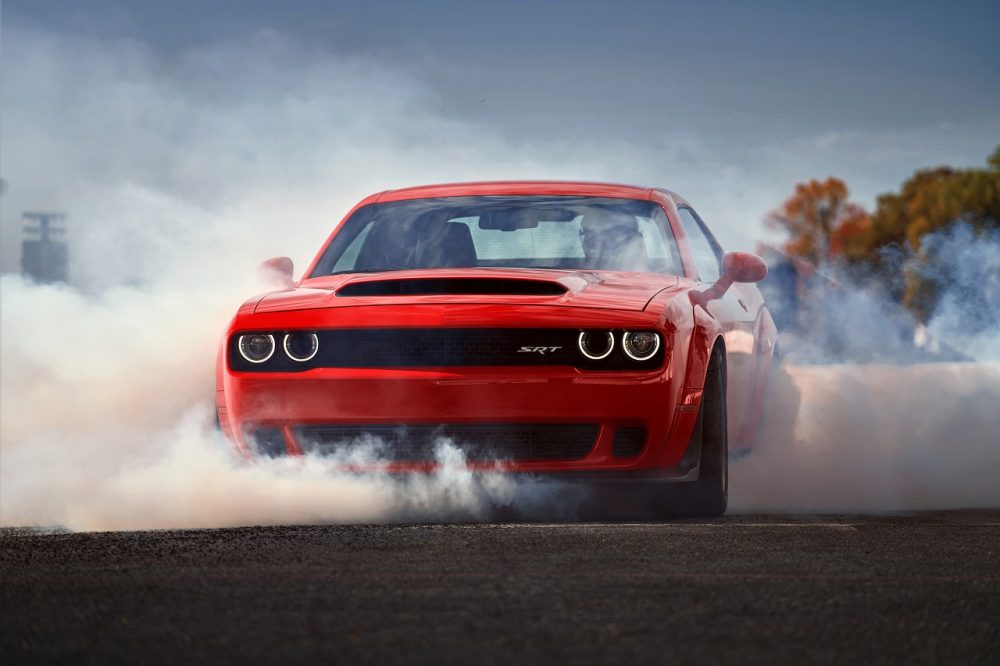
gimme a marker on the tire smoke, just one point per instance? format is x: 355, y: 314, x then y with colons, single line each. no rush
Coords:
x: 876, y: 438
x: 902, y: 429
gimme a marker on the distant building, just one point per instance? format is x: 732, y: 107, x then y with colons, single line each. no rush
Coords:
x: 44, y: 255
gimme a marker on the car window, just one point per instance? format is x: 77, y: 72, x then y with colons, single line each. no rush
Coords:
x: 657, y: 245
x: 556, y: 232
x: 548, y: 239
x: 705, y: 252
x: 350, y: 255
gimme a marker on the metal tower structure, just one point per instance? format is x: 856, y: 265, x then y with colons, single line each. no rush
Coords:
x: 44, y: 255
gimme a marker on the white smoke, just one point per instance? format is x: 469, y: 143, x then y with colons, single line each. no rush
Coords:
x: 107, y: 405
x: 876, y: 437
x: 965, y: 267
x: 901, y: 430
x: 180, y: 174
x: 186, y: 476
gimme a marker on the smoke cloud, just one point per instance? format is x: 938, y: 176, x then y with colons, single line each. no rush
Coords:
x: 180, y: 174
x: 899, y: 430
x: 876, y: 437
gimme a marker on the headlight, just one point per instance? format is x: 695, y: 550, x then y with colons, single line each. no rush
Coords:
x: 596, y: 345
x: 301, y: 346
x: 641, y: 345
x: 256, y: 347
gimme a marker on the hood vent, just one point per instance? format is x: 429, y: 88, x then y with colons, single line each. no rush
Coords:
x: 452, y: 287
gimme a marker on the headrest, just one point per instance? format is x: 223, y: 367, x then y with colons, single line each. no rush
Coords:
x: 445, y: 244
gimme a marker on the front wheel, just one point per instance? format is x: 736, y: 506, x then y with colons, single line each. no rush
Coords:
x: 709, y: 495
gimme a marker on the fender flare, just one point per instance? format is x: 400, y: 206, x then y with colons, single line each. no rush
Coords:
x: 706, y: 336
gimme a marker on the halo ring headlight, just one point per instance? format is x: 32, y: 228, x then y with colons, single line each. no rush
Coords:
x: 581, y: 343
x: 311, y: 346
x: 256, y: 347
x: 638, y: 346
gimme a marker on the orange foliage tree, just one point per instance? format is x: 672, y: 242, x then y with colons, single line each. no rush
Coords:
x: 819, y: 220
x: 888, y: 245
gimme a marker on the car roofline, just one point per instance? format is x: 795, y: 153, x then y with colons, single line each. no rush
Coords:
x: 516, y: 187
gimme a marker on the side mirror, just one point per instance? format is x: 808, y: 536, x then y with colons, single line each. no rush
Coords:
x: 736, y: 267
x: 277, y: 272
x: 743, y: 267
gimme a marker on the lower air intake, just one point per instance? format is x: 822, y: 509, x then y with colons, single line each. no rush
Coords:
x: 628, y: 442
x: 268, y: 442
x: 481, y: 442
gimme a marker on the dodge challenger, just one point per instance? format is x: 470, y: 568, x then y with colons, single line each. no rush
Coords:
x: 583, y: 331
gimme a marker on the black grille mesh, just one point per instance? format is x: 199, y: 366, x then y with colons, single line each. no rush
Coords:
x: 450, y: 347
x: 628, y: 442
x: 511, y: 442
x: 268, y: 442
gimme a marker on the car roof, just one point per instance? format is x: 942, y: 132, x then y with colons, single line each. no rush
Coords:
x: 522, y: 187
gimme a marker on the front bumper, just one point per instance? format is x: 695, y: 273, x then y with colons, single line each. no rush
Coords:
x: 467, y: 396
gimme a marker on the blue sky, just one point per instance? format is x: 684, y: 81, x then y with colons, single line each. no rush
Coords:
x: 622, y: 68
x: 139, y: 109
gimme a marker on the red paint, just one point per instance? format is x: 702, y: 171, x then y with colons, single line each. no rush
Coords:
x: 691, y: 317
x: 744, y: 267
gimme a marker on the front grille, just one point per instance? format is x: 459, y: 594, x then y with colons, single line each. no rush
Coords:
x: 628, y: 442
x: 443, y: 347
x: 415, y: 443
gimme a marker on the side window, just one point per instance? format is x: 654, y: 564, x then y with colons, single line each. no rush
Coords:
x: 348, y: 260
x: 706, y: 253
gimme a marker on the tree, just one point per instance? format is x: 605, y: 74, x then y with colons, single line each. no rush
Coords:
x: 895, y: 241
x: 933, y: 247
x: 819, y: 220
x: 900, y: 244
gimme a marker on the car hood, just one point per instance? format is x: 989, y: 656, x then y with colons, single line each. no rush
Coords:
x: 580, y: 289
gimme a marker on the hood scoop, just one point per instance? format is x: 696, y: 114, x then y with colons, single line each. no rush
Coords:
x: 452, y: 287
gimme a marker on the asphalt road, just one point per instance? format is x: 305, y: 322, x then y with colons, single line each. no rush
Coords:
x: 748, y: 589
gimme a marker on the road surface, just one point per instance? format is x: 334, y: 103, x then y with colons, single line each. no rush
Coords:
x: 751, y: 589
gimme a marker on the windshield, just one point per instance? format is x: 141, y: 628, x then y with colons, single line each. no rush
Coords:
x: 504, y: 231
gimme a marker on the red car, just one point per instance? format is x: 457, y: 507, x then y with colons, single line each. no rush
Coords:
x: 586, y: 331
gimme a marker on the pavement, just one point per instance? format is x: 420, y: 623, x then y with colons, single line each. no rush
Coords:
x: 919, y: 588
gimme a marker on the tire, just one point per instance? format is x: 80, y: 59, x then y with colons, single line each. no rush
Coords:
x: 709, y: 495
